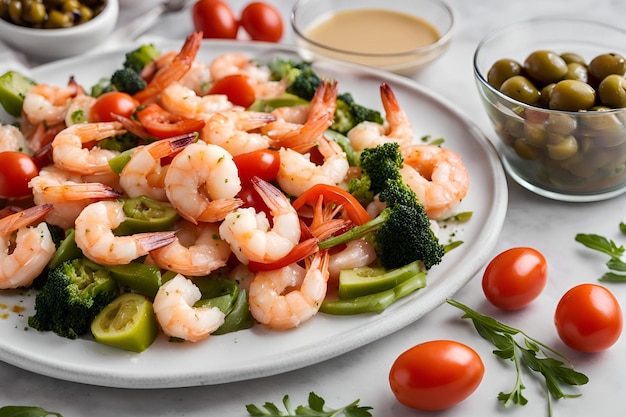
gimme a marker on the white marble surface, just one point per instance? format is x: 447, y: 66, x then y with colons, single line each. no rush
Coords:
x: 531, y: 220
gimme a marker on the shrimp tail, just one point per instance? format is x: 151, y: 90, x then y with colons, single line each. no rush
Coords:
x: 180, y: 65
x: 251, y: 120
x: 82, y: 191
x: 23, y: 218
x: 147, y: 242
x: 217, y: 210
x: 272, y: 196
x: 306, y: 138
x: 166, y: 147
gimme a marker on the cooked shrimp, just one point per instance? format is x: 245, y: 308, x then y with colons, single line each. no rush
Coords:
x: 397, y: 129
x: 239, y: 63
x: 12, y: 139
x: 287, y: 297
x: 357, y: 253
x: 197, y: 250
x: 174, y: 71
x: 175, y: 313
x: 45, y: 103
x: 202, y: 182
x: 231, y: 130
x: 297, y: 173
x: 249, y: 233
x: 94, y: 235
x: 68, y: 151
x: 299, y: 127
x: 68, y: 192
x: 438, y: 177
x: 23, y: 260
x: 183, y: 101
x: 79, y: 109
x: 144, y: 174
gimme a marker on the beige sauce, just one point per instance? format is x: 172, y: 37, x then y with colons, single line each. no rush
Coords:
x: 374, y: 31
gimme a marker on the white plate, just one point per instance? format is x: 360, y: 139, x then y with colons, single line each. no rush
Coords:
x: 258, y: 352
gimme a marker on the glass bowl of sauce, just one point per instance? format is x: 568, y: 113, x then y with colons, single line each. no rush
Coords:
x: 400, y: 36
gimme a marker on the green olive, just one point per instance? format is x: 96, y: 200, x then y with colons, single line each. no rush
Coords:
x: 612, y: 91
x: 502, y: 70
x: 573, y: 58
x: 546, y: 92
x: 15, y: 11
x: 523, y: 149
x: 35, y: 13
x: 545, y: 66
x: 572, y: 95
x: 576, y: 71
x: 521, y: 89
x: 57, y: 19
x: 606, y: 64
x: 561, y: 124
x: 562, y: 147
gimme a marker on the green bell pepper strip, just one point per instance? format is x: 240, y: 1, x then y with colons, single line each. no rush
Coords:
x: 376, y: 302
x: 145, y: 214
x: 143, y: 279
x: 118, y: 162
x: 233, y: 302
x: 67, y: 250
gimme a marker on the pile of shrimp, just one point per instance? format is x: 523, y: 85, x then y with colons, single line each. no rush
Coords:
x: 197, y: 175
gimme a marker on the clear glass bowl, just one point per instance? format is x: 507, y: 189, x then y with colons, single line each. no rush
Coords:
x: 562, y: 155
x: 307, y: 14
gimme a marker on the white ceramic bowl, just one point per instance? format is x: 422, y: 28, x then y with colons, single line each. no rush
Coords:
x: 45, y: 45
x: 307, y: 14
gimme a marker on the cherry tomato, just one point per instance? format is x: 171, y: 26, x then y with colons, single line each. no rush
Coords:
x: 262, y: 21
x: 515, y: 277
x: 162, y: 124
x: 16, y: 170
x: 588, y: 318
x: 263, y: 163
x: 436, y: 375
x: 215, y: 19
x: 114, y: 102
x: 237, y: 87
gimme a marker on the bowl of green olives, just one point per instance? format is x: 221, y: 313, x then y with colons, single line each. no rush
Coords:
x: 555, y: 93
x: 54, y: 29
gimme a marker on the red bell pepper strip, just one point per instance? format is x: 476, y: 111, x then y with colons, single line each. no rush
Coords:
x: 332, y: 194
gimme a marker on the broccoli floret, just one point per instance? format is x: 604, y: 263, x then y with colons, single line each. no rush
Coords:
x: 137, y: 59
x: 74, y: 293
x: 127, y: 81
x: 401, y: 233
x: 349, y: 114
x: 302, y: 80
x: 102, y: 86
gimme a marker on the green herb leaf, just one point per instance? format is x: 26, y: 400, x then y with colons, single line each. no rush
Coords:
x: 601, y: 244
x: 531, y: 354
x: 316, y: 408
x: 25, y: 411
x: 612, y: 277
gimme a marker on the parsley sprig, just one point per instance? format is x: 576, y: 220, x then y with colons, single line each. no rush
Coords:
x: 25, y: 411
x: 615, y: 264
x: 315, y: 408
x: 529, y: 353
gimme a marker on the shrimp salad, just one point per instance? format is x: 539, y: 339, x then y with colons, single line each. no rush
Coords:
x: 228, y: 174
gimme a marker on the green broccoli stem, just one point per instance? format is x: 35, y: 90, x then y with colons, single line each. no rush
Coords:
x: 357, y: 231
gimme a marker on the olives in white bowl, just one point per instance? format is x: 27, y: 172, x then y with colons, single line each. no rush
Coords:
x: 555, y: 93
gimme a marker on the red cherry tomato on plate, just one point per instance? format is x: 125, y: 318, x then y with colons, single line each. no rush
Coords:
x: 238, y: 88
x: 262, y: 21
x: 114, y: 102
x: 436, y: 375
x: 588, y: 318
x: 16, y: 171
x: 215, y: 19
x: 263, y: 163
x: 515, y: 277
